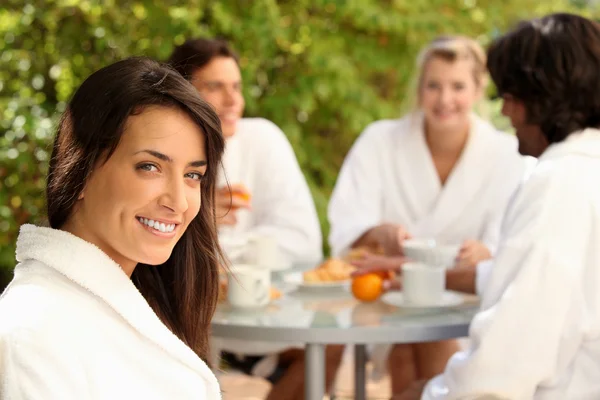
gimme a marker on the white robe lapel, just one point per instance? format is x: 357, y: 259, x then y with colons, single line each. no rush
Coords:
x: 463, y: 183
x: 90, y: 268
x: 416, y: 173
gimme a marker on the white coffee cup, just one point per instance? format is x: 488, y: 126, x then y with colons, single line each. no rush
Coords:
x: 249, y: 286
x: 422, y: 284
x: 430, y: 252
x: 263, y: 252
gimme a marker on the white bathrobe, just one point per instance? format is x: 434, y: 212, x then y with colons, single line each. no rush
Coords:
x: 389, y: 177
x: 260, y: 157
x: 537, y: 335
x: 73, y: 326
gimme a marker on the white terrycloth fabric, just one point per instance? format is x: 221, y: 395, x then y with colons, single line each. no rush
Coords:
x: 389, y: 177
x: 260, y: 157
x: 537, y: 335
x: 73, y: 326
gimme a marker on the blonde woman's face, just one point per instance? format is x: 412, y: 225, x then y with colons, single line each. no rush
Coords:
x: 448, y: 92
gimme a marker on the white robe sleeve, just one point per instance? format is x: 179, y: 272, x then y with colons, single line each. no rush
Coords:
x: 522, y: 167
x: 482, y: 275
x: 356, y: 202
x: 287, y: 210
x: 532, y: 305
x: 30, y: 370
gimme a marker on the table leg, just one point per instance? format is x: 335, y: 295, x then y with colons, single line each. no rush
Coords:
x: 314, y: 372
x: 360, y: 379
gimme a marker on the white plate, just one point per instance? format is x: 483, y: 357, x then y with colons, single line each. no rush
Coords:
x: 449, y: 299
x: 298, y: 280
x: 325, y: 285
x: 427, y: 251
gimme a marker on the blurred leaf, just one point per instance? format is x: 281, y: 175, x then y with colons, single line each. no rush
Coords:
x: 320, y: 69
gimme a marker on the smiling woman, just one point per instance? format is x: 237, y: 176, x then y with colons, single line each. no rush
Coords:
x: 154, y: 175
x: 116, y: 298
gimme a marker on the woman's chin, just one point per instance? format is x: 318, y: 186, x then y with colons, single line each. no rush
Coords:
x: 449, y: 124
x: 155, y: 259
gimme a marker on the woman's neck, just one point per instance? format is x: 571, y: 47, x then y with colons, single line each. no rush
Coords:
x: 445, y: 142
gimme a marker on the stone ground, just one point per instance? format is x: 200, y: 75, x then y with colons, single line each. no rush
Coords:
x: 237, y: 386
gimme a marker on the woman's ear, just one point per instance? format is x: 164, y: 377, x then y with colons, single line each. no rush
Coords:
x: 81, y: 194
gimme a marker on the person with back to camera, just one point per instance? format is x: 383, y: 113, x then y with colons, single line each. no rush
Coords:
x: 114, y: 300
x: 536, y: 334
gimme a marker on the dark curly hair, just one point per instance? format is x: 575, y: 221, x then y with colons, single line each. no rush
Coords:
x: 552, y: 65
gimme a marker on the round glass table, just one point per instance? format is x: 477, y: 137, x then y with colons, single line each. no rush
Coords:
x: 317, y: 316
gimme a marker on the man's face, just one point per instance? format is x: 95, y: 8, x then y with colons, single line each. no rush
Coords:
x: 220, y: 83
x: 532, y: 141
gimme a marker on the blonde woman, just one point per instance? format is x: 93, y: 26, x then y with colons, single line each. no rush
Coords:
x: 439, y: 172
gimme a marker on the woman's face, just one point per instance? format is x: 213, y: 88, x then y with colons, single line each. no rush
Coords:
x: 137, y: 205
x: 448, y: 92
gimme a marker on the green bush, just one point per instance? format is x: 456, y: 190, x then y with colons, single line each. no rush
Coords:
x: 320, y: 69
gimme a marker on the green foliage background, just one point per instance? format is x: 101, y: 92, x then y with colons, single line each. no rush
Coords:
x: 320, y: 69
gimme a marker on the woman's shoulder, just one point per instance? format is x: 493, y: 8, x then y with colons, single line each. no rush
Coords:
x: 386, y: 126
x: 40, y: 328
x: 254, y: 128
x: 260, y: 136
x: 382, y: 132
x: 38, y: 300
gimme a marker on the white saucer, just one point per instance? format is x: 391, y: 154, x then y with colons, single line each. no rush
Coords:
x: 449, y: 299
x: 298, y: 280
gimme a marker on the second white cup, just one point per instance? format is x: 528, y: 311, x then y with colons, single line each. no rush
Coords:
x: 249, y: 286
x: 423, y: 285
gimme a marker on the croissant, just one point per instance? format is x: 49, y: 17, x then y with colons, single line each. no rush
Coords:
x: 332, y: 270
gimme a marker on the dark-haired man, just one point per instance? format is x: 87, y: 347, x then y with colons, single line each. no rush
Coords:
x: 537, y: 335
x: 263, y: 191
x: 267, y: 196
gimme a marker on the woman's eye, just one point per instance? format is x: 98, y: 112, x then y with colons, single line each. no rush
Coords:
x: 212, y: 86
x: 148, y: 167
x: 195, y: 176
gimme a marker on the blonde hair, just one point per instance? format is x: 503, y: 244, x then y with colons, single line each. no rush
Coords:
x: 450, y: 48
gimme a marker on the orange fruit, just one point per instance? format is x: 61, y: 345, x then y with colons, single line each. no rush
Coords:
x: 385, y: 275
x: 242, y: 195
x: 367, y: 287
